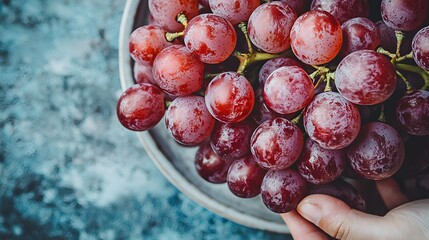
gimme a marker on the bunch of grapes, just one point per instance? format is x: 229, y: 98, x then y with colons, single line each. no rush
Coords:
x: 288, y: 98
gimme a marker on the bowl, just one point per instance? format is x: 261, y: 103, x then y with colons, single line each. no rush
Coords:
x: 176, y: 162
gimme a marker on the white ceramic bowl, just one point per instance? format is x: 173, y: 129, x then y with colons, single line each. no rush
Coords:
x: 177, y: 162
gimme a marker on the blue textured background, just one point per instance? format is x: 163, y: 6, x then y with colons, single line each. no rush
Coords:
x: 68, y: 170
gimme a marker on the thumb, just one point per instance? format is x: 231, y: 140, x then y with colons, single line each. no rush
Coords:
x: 342, y: 222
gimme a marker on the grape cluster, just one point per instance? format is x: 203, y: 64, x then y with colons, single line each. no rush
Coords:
x: 288, y: 98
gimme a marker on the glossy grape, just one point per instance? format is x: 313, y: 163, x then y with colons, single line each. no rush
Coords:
x: 365, y: 77
x: 269, y: 26
x: 316, y: 37
x: 331, y: 121
x: 210, y: 37
x: 282, y: 190
x: 342, y: 10
x: 140, y: 107
x: 318, y: 165
x: 230, y: 97
x: 300, y: 6
x: 188, y: 120
x: 276, y: 144
x: 165, y: 12
x: 177, y: 71
x: 272, y: 65
x: 359, y: 34
x: 378, y: 151
x: 232, y: 140
x: 404, y: 15
x: 143, y: 73
x: 146, y: 42
x: 234, y: 11
x: 412, y: 112
x: 209, y: 165
x: 245, y: 177
x: 288, y: 89
x: 420, y: 46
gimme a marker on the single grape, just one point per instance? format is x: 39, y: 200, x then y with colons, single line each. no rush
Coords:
x: 276, y: 144
x: 359, y: 34
x: 165, y: 12
x: 143, y: 73
x: 300, y: 6
x: 244, y: 177
x: 342, y: 190
x: 378, y: 152
x: 140, y: 107
x: 273, y: 64
x: 234, y: 11
x: 316, y: 37
x: 209, y: 165
x: 342, y: 10
x: 288, y: 90
x: 188, y: 120
x: 269, y: 26
x: 365, y: 77
x: 318, y: 165
x: 177, y: 71
x: 282, y: 190
x: 210, y: 37
x: 404, y: 15
x: 420, y: 48
x: 412, y: 112
x: 230, y: 97
x: 331, y: 120
x: 146, y: 42
x: 416, y: 156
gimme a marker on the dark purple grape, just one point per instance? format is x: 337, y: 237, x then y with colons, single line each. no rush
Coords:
x: 359, y: 34
x: 404, y: 15
x: 420, y: 47
x: 342, y: 10
x: 412, y: 112
x: 232, y: 140
x: 282, y: 190
x: 209, y: 165
x: 276, y: 144
x: 244, y: 177
x: 378, y: 152
x: 318, y: 165
x: 141, y: 107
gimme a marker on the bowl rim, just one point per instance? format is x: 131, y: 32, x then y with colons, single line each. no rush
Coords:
x: 159, y: 159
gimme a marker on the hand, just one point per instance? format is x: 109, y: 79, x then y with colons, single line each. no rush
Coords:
x: 320, y: 216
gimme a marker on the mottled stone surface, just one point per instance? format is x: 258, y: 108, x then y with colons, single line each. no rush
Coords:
x: 68, y: 170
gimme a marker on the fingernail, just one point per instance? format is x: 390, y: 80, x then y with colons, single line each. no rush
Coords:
x: 310, y: 211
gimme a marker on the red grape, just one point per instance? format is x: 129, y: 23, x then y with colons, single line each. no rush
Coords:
x: 146, y: 42
x: 342, y: 10
x: 269, y: 26
x: 272, y: 65
x: 165, y: 12
x: 331, y: 120
x: 232, y: 140
x: 420, y: 47
x: 359, y: 34
x: 143, y: 73
x: 244, y: 177
x: 412, y: 112
x: 140, y: 107
x: 318, y: 165
x: 188, y: 120
x: 177, y: 71
x: 209, y: 165
x: 378, y: 151
x: 300, y: 6
x: 234, y: 11
x: 365, y: 77
x: 230, y: 97
x: 316, y: 37
x: 282, y: 190
x: 288, y: 90
x: 276, y: 144
x: 404, y: 15
x: 210, y: 37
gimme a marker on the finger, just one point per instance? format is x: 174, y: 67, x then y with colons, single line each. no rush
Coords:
x: 302, y: 229
x: 391, y: 193
x: 340, y: 221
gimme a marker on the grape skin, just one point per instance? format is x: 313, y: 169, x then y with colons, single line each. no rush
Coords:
x: 269, y: 26
x: 331, y: 120
x: 143, y: 73
x: 188, y: 120
x: 210, y: 166
x: 274, y: 64
x: 359, y: 34
x: 210, y: 37
x: 300, y: 6
x: 165, y: 12
x: 234, y: 11
x: 420, y: 46
x: 412, y: 112
x: 404, y: 15
x: 245, y: 177
x: 365, y: 77
x: 342, y: 10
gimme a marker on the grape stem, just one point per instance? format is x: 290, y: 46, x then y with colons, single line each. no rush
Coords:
x: 415, y: 69
x: 248, y: 58
x: 243, y: 28
x: 407, y: 83
x: 382, y: 117
x: 385, y: 52
x: 182, y: 19
x: 167, y: 104
x: 297, y: 119
x: 399, y: 38
x: 329, y: 77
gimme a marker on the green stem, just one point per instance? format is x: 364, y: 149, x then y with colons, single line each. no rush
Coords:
x: 385, y: 52
x: 248, y: 58
x: 182, y: 19
x: 399, y: 38
x: 243, y: 28
x: 328, y: 83
x: 382, y: 117
x: 402, y: 58
x: 298, y: 118
x: 167, y: 104
x: 415, y: 69
x: 171, y: 36
x: 407, y: 83
x: 314, y: 75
